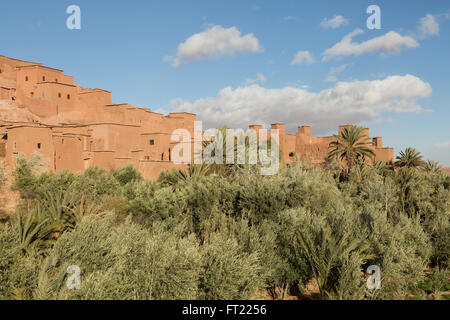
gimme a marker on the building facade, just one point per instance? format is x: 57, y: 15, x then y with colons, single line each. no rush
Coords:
x: 75, y: 127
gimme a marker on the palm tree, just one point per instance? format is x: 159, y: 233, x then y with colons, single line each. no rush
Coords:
x: 175, y: 176
x: 323, y: 251
x: 224, y: 169
x: 383, y: 168
x: 407, y: 179
x: 409, y: 158
x: 32, y: 228
x: 432, y: 166
x: 351, y: 146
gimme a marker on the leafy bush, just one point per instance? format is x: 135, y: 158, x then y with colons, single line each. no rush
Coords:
x: 25, y: 174
x: 18, y: 269
x: 204, y: 235
x: 127, y: 174
x: 227, y: 272
x: 124, y: 262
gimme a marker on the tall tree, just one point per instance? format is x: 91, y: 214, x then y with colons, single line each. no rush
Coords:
x: 410, y: 158
x: 351, y: 145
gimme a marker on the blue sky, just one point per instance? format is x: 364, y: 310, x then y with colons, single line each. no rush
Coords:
x: 233, y: 62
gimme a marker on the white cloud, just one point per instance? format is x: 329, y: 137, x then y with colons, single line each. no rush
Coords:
x: 334, y: 71
x: 334, y: 23
x: 428, y: 26
x: 383, y: 120
x: 443, y: 145
x: 302, y: 57
x: 215, y: 41
x: 346, y: 102
x: 259, y: 78
x: 391, y: 42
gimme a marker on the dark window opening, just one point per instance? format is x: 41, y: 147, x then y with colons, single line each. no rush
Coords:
x: 170, y: 155
x: 291, y: 154
x: 0, y: 70
x: 147, y: 157
x: 56, y: 80
x: 68, y: 97
x: 32, y: 94
x: 162, y: 156
x: 59, y: 95
x: 43, y: 78
x: 26, y: 78
x: 5, y: 136
x: 62, y: 141
x: 152, y: 142
x: 38, y: 145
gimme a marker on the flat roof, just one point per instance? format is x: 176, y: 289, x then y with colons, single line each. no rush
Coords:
x: 39, y: 66
x: 115, y: 124
x: 87, y: 91
x: 54, y: 82
x: 19, y: 60
x: 183, y: 112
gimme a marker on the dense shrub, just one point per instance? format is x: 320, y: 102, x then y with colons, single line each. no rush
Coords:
x: 125, y: 262
x: 127, y: 174
x: 228, y: 273
x: 18, y: 269
x: 204, y: 235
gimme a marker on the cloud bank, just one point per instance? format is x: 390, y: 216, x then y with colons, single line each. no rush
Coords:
x: 391, y: 42
x: 334, y: 23
x: 215, y: 41
x: 302, y: 57
x: 346, y: 102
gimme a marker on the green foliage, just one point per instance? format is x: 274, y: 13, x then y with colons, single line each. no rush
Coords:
x: 227, y: 272
x: 25, y: 179
x: 351, y: 145
x: 410, y: 158
x: 18, y: 270
x: 127, y: 174
x: 125, y: 262
x: 224, y: 234
x: 95, y: 183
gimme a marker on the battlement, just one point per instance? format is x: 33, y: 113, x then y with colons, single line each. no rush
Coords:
x: 75, y: 127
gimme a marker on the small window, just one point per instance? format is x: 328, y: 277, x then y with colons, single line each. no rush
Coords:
x: 32, y: 94
x: 43, y: 78
x: 291, y: 154
x: 5, y: 136
x: 68, y: 97
x: 152, y: 142
x: 0, y: 71
x: 56, y: 80
x: 26, y: 78
x: 62, y: 141
x: 147, y: 157
x: 38, y: 145
x: 59, y: 95
x: 162, y: 156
